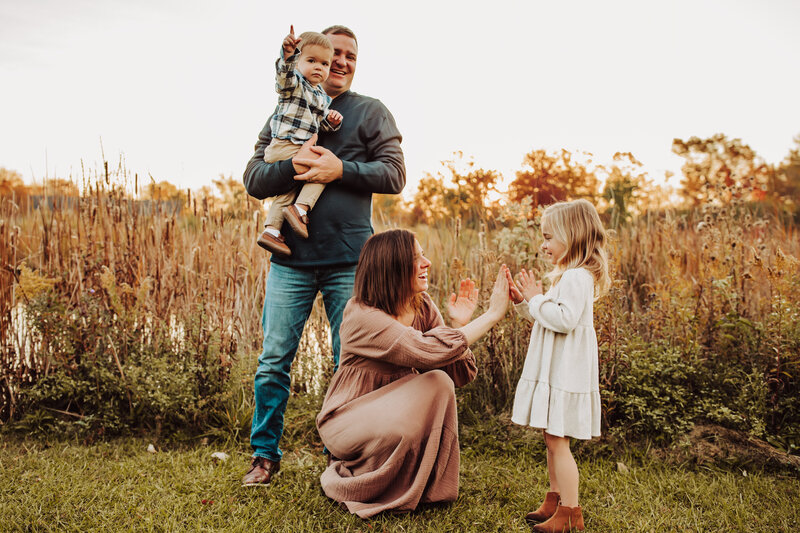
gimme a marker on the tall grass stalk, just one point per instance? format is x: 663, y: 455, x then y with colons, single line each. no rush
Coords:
x: 149, y: 290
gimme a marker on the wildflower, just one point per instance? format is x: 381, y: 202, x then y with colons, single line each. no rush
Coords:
x: 32, y: 283
x: 780, y: 258
x: 756, y: 258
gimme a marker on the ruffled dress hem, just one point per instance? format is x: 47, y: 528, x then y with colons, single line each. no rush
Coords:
x: 560, y: 413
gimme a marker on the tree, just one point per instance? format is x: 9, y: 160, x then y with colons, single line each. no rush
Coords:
x: 628, y: 190
x: 551, y: 177
x: 472, y: 187
x: 390, y: 208
x: 56, y: 187
x: 718, y: 169
x: 166, y: 193
x: 785, y: 185
x: 161, y: 191
x: 234, y: 198
x: 464, y: 197
x: 11, y: 183
x: 429, y: 200
x: 618, y: 192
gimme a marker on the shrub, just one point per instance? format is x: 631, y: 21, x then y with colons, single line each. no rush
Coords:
x: 662, y: 391
x: 110, y: 375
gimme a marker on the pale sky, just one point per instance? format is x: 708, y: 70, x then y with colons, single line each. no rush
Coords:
x: 181, y: 89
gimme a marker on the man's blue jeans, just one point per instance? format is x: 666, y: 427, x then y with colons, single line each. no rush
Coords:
x: 289, y: 298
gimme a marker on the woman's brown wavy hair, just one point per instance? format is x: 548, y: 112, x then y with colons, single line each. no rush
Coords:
x: 385, y: 272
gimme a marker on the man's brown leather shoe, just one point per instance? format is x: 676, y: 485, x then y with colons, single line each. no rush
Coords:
x: 261, y: 472
x: 298, y: 222
x: 274, y: 244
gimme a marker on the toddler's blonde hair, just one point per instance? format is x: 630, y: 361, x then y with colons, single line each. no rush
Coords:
x: 308, y: 38
x: 577, y: 225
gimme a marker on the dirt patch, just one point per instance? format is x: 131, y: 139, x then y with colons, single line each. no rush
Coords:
x: 716, y: 445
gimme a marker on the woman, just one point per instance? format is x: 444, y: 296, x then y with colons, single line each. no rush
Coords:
x: 389, y: 417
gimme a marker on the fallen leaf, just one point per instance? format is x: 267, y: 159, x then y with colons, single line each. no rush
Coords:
x: 220, y: 456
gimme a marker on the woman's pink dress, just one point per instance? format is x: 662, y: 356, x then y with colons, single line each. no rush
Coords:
x: 389, y: 416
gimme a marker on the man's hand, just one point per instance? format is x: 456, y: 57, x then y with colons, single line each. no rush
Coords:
x: 289, y: 44
x: 304, y: 153
x: 323, y: 165
x: 334, y: 118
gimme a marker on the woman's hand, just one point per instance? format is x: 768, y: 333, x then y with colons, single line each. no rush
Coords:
x: 498, y: 305
x: 528, y: 284
x: 461, y: 307
x: 498, y: 302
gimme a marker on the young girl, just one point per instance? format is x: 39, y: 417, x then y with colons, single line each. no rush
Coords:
x: 559, y: 387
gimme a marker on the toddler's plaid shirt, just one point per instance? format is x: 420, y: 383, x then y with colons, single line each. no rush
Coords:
x: 302, y: 109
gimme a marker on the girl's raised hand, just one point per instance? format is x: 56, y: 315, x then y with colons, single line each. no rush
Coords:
x: 528, y: 284
x: 461, y: 307
x: 513, y: 291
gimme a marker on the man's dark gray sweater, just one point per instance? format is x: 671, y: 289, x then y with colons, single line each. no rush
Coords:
x: 368, y: 143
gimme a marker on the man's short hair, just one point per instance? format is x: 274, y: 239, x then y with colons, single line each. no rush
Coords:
x: 338, y: 29
x: 314, y: 38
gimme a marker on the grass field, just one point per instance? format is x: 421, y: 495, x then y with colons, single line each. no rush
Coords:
x: 119, y: 486
x: 115, y: 310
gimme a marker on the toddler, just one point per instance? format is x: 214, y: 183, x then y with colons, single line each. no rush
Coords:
x: 303, y: 110
x: 559, y: 391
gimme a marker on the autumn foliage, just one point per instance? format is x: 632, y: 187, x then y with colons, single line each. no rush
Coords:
x: 128, y: 303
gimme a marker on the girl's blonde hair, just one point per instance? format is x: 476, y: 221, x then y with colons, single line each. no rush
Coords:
x: 577, y: 225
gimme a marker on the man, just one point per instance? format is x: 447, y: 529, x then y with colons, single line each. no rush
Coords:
x: 362, y: 158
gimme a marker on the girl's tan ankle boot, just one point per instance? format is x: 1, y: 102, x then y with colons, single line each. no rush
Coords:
x: 564, y: 519
x: 546, y: 510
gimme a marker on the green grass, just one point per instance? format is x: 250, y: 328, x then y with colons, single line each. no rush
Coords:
x: 119, y: 486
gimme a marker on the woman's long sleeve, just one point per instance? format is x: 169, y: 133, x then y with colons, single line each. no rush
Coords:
x: 373, y: 334
x: 461, y: 371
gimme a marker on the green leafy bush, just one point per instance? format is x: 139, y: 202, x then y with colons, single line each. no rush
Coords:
x: 107, y: 373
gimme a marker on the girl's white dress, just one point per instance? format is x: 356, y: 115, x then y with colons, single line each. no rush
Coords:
x: 559, y: 389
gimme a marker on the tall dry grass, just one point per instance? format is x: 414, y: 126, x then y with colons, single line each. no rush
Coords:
x: 174, y: 276
x: 714, y: 286
x: 719, y: 287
